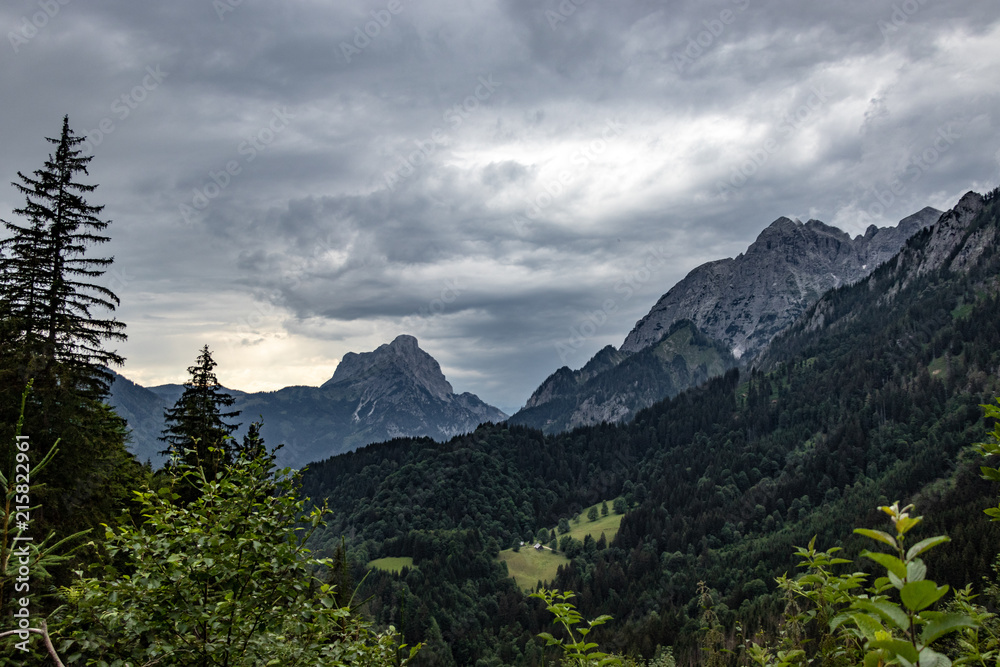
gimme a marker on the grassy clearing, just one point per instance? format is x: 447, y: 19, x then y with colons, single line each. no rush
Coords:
x: 394, y: 565
x: 944, y: 367
x: 962, y: 311
x: 529, y: 566
x: 580, y: 526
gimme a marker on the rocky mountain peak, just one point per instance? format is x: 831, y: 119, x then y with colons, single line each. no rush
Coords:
x: 403, y: 355
x: 396, y: 390
x: 744, y: 302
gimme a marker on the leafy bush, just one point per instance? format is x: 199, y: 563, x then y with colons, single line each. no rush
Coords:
x: 222, y: 580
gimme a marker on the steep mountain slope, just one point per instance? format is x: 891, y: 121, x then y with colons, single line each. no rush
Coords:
x: 397, y: 390
x: 963, y: 237
x: 744, y: 302
x: 739, y: 303
x: 613, y: 385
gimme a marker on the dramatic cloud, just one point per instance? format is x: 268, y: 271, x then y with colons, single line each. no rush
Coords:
x: 513, y: 182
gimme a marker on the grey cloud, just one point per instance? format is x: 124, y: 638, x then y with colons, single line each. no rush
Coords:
x: 312, y: 229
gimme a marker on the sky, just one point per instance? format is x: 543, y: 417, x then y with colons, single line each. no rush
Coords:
x: 514, y: 183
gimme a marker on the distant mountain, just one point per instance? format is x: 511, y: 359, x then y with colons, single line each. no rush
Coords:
x: 395, y: 391
x: 733, y: 306
x: 744, y: 302
x: 613, y: 386
x: 143, y: 409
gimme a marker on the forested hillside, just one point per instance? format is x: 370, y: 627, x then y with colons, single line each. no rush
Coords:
x: 871, y: 403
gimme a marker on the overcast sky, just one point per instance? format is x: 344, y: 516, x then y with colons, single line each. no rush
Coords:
x: 290, y: 181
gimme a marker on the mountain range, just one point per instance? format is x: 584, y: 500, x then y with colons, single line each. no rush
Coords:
x: 874, y: 394
x: 723, y: 314
x: 394, y: 391
x: 732, y: 307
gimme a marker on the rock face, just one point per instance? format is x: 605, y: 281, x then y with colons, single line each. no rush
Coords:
x: 957, y: 243
x: 379, y: 369
x: 746, y: 301
x: 397, y: 390
x: 566, y: 383
x: 721, y: 314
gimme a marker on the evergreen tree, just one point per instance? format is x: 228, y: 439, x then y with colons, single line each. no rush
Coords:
x: 196, y: 430
x: 47, y: 278
x: 53, y: 330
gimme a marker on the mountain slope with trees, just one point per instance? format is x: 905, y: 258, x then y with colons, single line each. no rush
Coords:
x: 613, y: 386
x: 739, y: 304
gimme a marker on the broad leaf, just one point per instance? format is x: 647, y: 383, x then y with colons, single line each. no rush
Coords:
x: 916, y: 570
x: 888, y: 561
x: 869, y: 626
x: 900, y: 647
x: 930, y: 658
x: 945, y: 624
x: 904, y: 524
x: 886, y: 610
x: 918, y: 595
x: 924, y: 545
x: 877, y: 535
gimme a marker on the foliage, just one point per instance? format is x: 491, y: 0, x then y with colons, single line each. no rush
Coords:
x: 722, y: 481
x: 25, y: 563
x: 222, y: 580
x: 992, y: 448
x: 872, y: 627
x: 576, y: 649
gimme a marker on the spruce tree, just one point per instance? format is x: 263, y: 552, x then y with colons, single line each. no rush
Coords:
x: 54, y: 325
x: 196, y: 430
x: 47, y: 279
